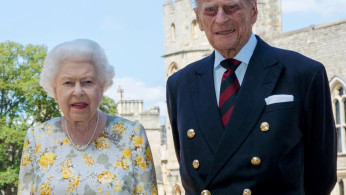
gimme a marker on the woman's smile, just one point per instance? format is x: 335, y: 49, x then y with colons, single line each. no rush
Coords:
x: 79, y: 105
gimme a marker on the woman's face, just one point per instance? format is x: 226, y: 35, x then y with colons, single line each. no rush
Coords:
x: 78, y: 91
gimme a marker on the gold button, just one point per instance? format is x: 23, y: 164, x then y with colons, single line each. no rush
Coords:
x: 205, y: 192
x: 255, y: 160
x: 195, y: 164
x: 247, y: 192
x: 264, y: 126
x: 191, y: 133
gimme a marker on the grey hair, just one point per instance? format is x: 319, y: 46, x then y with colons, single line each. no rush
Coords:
x: 76, y: 50
x: 197, y: 3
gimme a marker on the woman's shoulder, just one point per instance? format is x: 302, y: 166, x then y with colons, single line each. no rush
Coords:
x: 115, y: 122
x: 50, y: 124
x: 113, y: 119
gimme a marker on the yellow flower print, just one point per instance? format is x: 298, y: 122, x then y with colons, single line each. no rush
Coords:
x: 38, y: 137
x: 117, y: 164
x: 118, y: 186
x: 49, y: 129
x: 73, y: 184
x: 47, y: 159
x: 139, y: 189
x: 139, y: 159
x: 45, y: 188
x: 69, y: 189
x: 88, y: 159
x: 26, y: 144
x: 25, y: 160
x: 138, y: 141
x: 125, y: 164
x: 127, y: 153
x: 66, y: 172
x: 105, y: 177
x: 100, y: 190
x: 67, y: 162
x: 66, y: 141
x: 148, y: 153
x: 75, y: 181
x: 143, y: 165
x: 119, y: 127
x: 102, y: 143
x: 153, y: 189
x: 37, y: 149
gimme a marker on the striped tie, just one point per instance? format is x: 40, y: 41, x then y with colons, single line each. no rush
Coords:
x: 229, y: 89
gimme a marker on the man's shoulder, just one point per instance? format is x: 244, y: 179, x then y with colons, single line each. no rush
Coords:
x: 290, y: 58
x: 285, y: 55
x: 293, y: 59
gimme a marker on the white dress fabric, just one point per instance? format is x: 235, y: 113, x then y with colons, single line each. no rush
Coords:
x: 119, y: 161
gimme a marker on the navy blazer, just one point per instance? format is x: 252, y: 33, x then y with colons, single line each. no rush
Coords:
x: 298, y: 153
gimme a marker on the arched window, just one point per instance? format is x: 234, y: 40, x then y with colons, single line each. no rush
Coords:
x: 172, y: 69
x: 173, y: 35
x: 176, y: 190
x: 194, y: 28
x: 339, y: 109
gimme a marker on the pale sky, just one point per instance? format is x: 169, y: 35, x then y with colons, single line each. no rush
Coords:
x: 131, y: 32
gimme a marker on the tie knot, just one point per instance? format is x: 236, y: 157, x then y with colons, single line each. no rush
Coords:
x: 230, y: 64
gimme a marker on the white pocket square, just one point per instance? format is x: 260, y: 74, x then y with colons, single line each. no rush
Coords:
x: 273, y: 99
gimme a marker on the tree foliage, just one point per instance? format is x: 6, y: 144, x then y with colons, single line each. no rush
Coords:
x: 22, y: 103
x: 108, y: 105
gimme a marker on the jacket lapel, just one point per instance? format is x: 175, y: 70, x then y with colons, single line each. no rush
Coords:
x: 204, y: 103
x: 260, y: 79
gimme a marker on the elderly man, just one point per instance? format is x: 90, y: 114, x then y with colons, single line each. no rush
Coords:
x: 250, y: 118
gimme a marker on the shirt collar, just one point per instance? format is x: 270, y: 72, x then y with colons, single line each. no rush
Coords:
x: 244, y: 54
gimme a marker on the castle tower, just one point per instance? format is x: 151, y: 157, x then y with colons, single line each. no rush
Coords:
x: 184, y: 42
x: 268, y: 22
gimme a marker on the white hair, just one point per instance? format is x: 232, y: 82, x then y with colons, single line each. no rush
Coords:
x: 76, y: 50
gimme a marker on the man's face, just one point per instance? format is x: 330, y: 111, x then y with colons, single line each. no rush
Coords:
x: 227, y: 23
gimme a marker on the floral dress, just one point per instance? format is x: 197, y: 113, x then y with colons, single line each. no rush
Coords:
x: 119, y: 161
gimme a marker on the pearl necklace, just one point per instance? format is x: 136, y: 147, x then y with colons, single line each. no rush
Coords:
x: 76, y: 146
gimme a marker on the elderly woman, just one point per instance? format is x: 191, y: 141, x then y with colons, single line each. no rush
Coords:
x: 85, y: 151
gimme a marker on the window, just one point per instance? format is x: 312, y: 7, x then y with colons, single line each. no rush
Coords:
x: 176, y: 190
x: 194, y: 28
x: 339, y: 109
x: 344, y: 102
x: 173, y: 35
x: 172, y: 69
x: 338, y: 130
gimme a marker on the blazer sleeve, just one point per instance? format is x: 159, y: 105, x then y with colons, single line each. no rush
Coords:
x: 172, y: 113
x: 319, y: 137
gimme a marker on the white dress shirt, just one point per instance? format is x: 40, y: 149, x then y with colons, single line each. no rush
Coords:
x: 243, y: 56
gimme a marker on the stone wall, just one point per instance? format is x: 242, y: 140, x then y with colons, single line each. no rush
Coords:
x: 325, y: 43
